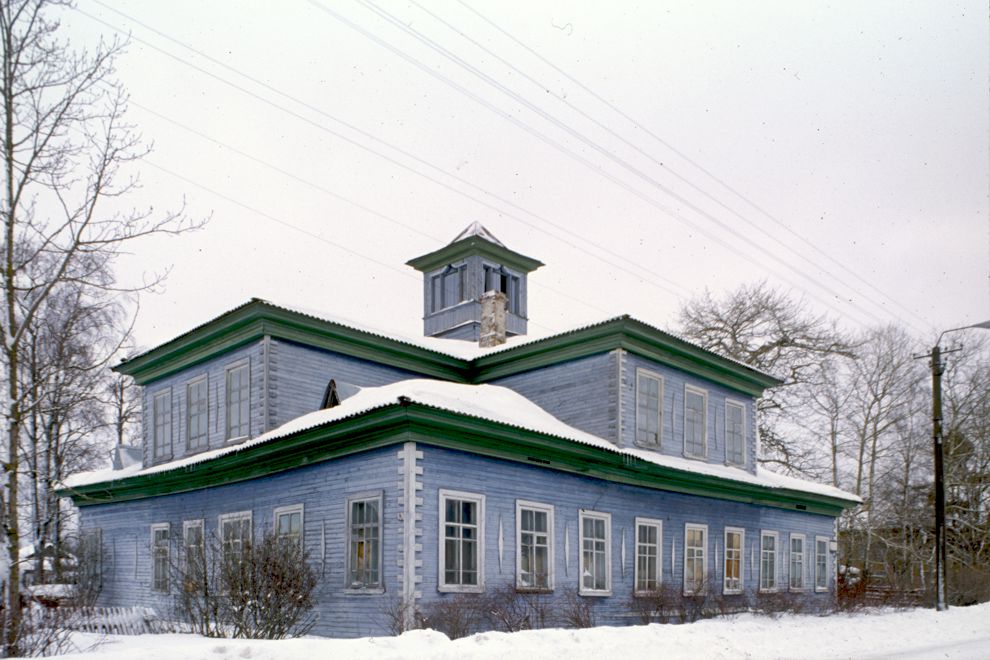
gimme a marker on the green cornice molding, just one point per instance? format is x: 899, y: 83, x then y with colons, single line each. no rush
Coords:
x: 258, y: 318
x: 402, y: 422
x: 470, y: 246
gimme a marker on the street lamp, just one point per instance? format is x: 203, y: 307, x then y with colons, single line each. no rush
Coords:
x: 940, y: 555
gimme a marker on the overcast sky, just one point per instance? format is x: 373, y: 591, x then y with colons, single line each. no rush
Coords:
x: 642, y: 151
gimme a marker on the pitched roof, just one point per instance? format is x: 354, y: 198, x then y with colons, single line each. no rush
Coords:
x: 477, y: 229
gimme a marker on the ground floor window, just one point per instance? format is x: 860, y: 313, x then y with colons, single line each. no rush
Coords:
x: 821, y: 563
x: 595, y: 556
x: 159, y: 557
x: 534, y: 531
x: 734, y: 544
x: 796, y: 574
x: 695, y: 561
x: 649, y: 546
x: 768, y: 561
x: 235, y: 537
x: 364, y: 546
x: 461, y: 541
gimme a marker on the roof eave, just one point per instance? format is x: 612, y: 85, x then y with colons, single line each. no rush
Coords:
x: 474, y: 245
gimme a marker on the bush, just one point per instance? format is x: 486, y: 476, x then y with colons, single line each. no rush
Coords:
x: 266, y: 592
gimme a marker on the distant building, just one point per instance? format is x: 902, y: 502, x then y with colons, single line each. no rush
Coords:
x: 599, y: 463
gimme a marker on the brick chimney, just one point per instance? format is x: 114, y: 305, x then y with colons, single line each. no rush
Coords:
x: 492, y: 319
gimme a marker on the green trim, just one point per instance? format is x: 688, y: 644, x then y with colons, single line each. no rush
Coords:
x: 470, y: 246
x: 635, y: 337
x: 257, y: 318
x: 400, y: 422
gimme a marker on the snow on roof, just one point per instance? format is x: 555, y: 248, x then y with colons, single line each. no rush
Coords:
x: 489, y: 402
x: 477, y: 229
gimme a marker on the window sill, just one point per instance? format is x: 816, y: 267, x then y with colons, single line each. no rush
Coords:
x: 595, y: 593
x: 732, y: 592
x: 768, y: 591
x: 239, y: 438
x: 821, y: 590
x: 797, y: 590
x: 695, y: 457
x: 648, y: 593
x: 461, y: 589
x: 370, y: 591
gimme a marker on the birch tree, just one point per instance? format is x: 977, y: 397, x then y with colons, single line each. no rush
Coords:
x: 66, y: 153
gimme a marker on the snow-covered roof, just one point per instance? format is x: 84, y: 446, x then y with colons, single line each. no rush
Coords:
x: 477, y: 229
x: 488, y: 402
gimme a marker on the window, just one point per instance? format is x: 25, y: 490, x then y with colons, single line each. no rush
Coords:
x: 734, y: 544
x: 695, y: 547
x: 289, y: 524
x: 596, y: 560
x: 649, y: 395
x: 91, y: 557
x: 197, y: 427
x: 448, y: 287
x: 735, y: 437
x: 695, y: 421
x: 821, y: 563
x: 461, y: 541
x: 193, y: 553
x: 235, y: 537
x: 768, y: 561
x: 797, y: 562
x: 534, y: 559
x: 364, y: 547
x: 497, y: 278
x: 162, y: 424
x: 238, y: 400
x: 649, y: 545
x: 159, y: 557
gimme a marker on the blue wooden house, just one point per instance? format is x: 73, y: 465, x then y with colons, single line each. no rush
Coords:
x: 598, y: 464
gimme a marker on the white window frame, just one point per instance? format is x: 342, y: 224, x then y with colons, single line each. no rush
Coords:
x: 704, y: 555
x: 652, y: 375
x: 237, y: 515
x: 288, y: 511
x: 583, y: 515
x: 658, y: 559
x: 801, y: 557
x: 766, y: 533
x: 819, y: 571
x: 205, y: 438
x: 365, y: 587
x: 161, y: 447
x: 742, y: 432
x: 156, y: 556
x: 479, y: 501
x: 522, y: 505
x: 692, y: 389
x: 726, y: 589
x: 186, y: 526
x: 227, y: 403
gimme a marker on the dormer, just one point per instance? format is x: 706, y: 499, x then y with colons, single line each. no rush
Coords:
x: 456, y: 276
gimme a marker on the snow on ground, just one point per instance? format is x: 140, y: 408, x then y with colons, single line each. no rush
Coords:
x: 960, y: 633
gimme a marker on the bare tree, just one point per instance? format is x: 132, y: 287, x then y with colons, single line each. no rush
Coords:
x: 773, y: 332
x: 65, y: 149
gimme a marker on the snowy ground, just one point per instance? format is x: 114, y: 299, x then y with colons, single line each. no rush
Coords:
x: 915, y: 634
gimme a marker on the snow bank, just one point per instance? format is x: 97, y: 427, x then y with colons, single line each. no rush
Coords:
x: 960, y: 633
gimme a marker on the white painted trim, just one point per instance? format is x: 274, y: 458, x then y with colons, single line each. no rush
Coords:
x: 378, y: 496
x: 693, y: 389
x: 410, y: 515
x: 166, y: 443
x: 776, y: 550
x: 478, y: 499
x: 595, y: 515
x: 653, y: 375
x: 157, y: 527
x: 704, y: 557
x: 545, y: 508
x: 790, y: 561
x: 826, y: 540
x: 291, y: 508
x: 237, y: 364
x: 648, y: 522
x: 725, y: 432
x: 742, y: 559
x: 205, y: 379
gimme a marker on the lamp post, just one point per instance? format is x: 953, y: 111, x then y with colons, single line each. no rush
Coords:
x: 940, y: 556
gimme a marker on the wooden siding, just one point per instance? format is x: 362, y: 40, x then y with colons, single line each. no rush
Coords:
x: 435, y: 323
x: 503, y: 483
x: 580, y: 392
x: 322, y: 490
x: 672, y: 433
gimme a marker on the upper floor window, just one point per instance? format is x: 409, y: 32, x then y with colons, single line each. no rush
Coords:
x: 238, y: 401
x: 161, y: 411
x: 448, y: 287
x: 497, y: 278
x: 461, y: 541
x: 364, y: 524
x: 159, y: 557
x: 734, y: 543
x: 596, y: 556
x: 695, y: 422
x: 649, y: 548
x: 735, y: 439
x: 196, y: 414
x: 649, y: 395
x: 288, y: 524
x: 534, y: 531
x: 695, y: 558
